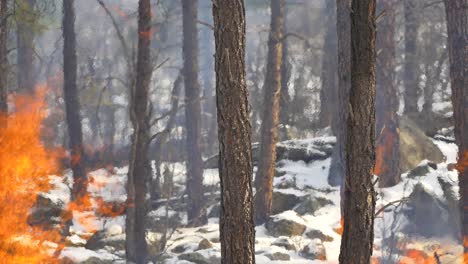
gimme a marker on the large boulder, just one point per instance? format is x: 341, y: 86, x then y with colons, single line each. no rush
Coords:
x: 284, y: 242
x: 284, y: 227
x: 415, y: 146
x: 198, y: 258
x: 311, y: 205
x: 283, y: 202
x: 315, y: 250
x: 278, y: 256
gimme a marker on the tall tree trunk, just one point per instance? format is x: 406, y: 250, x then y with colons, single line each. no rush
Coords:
x: 3, y: 63
x: 359, y: 190
x: 25, y: 45
x: 139, y: 167
x: 237, y: 233
x: 457, y: 29
x: 388, y: 141
x: 72, y: 104
x: 270, y: 117
x: 410, y: 67
x: 329, y: 91
x: 196, y: 212
x: 337, y: 171
x: 286, y: 67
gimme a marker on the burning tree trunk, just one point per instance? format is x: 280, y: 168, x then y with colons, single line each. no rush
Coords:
x: 3, y: 63
x: 270, y: 118
x: 328, y: 93
x: 410, y: 67
x: 25, y: 44
x: 338, y: 163
x: 237, y: 233
x: 196, y: 212
x: 457, y: 28
x: 139, y: 167
x: 359, y: 204
x: 388, y: 141
x: 72, y: 105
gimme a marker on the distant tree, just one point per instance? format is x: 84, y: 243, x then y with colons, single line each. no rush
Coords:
x: 457, y: 28
x: 72, y: 104
x: 237, y: 233
x: 388, y: 139
x: 139, y: 167
x: 196, y: 212
x: 286, y: 68
x: 26, y: 19
x: 270, y: 116
x: 3, y: 62
x: 359, y: 204
x: 410, y: 67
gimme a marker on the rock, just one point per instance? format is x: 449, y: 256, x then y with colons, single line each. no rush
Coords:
x: 96, y: 241
x: 431, y: 123
x: 195, y: 257
x: 215, y: 240
x: 317, y: 234
x: 422, y: 170
x: 415, y: 146
x: 311, y: 205
x: 284, y: 242
x: 283, y: 202
x: 284, y: 227
x: 46, y: 212
x: 204, y: 244
x: 179, y: 249
x: 95, y: 260
x: 161, y: 225
x: 278, y: 256
x: 314, y: 251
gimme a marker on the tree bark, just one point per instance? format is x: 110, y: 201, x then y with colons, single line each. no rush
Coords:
x: 237, y: 233
x: 3, y: 63
x: 387, y: 140
x: 329, y: 91
x: 196, y: 211
x: 139, y: 167
x: 25, y: 45
x: 286, y: 67
x: 457, y: 29
x: 72, y: 104
x: 337, y: 171
x: 410, y: 67
x: 270, y: 117
x: 358, y: 235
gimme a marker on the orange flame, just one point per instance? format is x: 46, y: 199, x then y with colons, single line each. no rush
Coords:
x: 384, y: 148
x: 414, y: 256
x: 24, y: 169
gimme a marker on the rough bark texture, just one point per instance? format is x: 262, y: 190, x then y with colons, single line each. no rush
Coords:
x: 196, y: 212
x: 329, y: 91
x: 72, y: 104
x: 387, y: 139
x: 338, y: 164
x: 270, y: 116
x: 25, y: 45
x: 457, y: 28
x: 3, y: 63
x: 358, y: 234
x: 139, y: 167
x: 237, y: 233
x: 286, y: 67
x: 410, y: 67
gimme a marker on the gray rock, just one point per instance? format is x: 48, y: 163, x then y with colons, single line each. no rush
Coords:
x: 284, y: 242
x: 314, y: 251
x: 317, y: 234
x: 283, y: 202
x: 422, y: 170
x: 283, y: 227
x: 204, y: 244
x: 195, y: 257
x: 311, y: 205
x: 94, y: 260
x: 179, y: 249
x: 278, y: 256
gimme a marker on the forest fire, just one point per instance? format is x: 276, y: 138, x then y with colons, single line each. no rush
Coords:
x: 24, y: 172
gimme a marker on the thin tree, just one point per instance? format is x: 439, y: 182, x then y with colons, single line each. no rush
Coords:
x: 457, y: 29
x: 72, y: 104
x: 25, y: 21
x: 388, y: 140
x: 196, y: 212
x: 410, y: 67
x: 3, y: 63
x: 270, y: 116
x: 139, y: 168
x: 359, y: 205
x: 237, y: 233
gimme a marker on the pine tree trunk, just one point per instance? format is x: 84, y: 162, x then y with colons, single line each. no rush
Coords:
x: 387, y: 138
x: 359, y: 205
x: 338, y: 163
x: 25, y: 45
x: 457, y: 29
x: 139, y: 167
x: 3, y: 63
x: 196, y: 212
x: 286, y: 67
x: 410, y: 67
x: 270, y: 116
x: 237, y: 233
x: 329, y: 91
x: 72, y: 104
